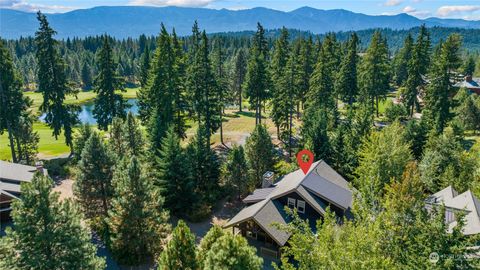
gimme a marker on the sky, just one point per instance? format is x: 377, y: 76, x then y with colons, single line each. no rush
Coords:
x: 465, y: 9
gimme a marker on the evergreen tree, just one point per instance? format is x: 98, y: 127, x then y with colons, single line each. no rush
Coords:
x: 207, y: 242
x: 314, y: 133
x: 116, y: 142
x: 218, y: 59
x: 305, y: 69
x: 180, y: 250
x: 173, y: 175
x: 156, y: 99
x: 204, y: 167
x: 232, y: 252
x: 79, y: 140
x: 202, y: 85
x: 48, y: 232
x: 93, y: 187
x: 52, y: 83
x: 260, y: 155
x: 132, y: 140
x: 256, y: 83
x: 346, y: 85
x: 26, y: 139
x: 239, y: 74
x: 235, y: 171
x: 108, y: 104
x: 137, y: 220
x: 12, y: 102
x: 144, y: 66
x: 401, y: 61
x: 86, y: 76
x: 441, y: 86
x: 179, y: 102
x: 416, y: 70
x: 374, y: 72
x: 468, y: 67
x: 468, y: 111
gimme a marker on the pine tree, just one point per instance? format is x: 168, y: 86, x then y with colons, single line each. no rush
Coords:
x: 235, y: 171
x: 180, y: 250
x: 132, y: 137
x: 401, y: 61
x: 207, y: 242
x: 86, y: 76
x: 218, y: 59
x: 374, y: 74
x: 156, y: 99
x: 48, y: 232
x: 179, y: 103
x: 232, y: 252
x: 239, y: 76
x: 173, y: 177
x: 257, y: 83
x: 346, y: 85
x: 468, y: 67
x: 144, y: 66
x: 108, y: 104
x: 93, y: 187
x: 260, y: 155
x: 204, y: 167
x: 137, y: 220
x: 314, y: 133
x: 26, y: 139
x: 304, y: 72
x: 12, y: 102
x: 80, y: 138
x: 52, y: 83
x: 441, y: 86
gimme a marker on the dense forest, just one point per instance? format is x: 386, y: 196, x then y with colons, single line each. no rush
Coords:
x: 326, y: 94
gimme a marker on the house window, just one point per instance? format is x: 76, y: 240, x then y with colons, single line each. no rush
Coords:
x: 301, y: 206
x: 291, y: 203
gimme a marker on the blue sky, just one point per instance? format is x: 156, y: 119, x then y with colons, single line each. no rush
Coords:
x: 466, y: 9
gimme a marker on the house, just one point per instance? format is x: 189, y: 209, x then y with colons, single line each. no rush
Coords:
x: 11, y: 177
x: 310, y: 194
x: 472, y: 84
x: 455, y: 203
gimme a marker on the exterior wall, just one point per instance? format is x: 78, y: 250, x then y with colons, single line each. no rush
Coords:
x: 310, y: 213
x: 5, y: 203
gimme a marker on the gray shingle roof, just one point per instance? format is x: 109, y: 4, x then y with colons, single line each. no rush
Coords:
x: 321, y: 180
x: 465, y: 201
x: 13, y: 174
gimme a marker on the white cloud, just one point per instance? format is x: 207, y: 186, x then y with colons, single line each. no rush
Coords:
x: 392, y: 3
x: 413, y: 11
x: 178, y: 3
x: 22, y: 5
x: 445, y: 11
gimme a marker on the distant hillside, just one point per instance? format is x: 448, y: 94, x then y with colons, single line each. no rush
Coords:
x: 130, y: 21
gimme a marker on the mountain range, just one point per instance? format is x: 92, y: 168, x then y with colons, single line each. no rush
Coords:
x: 131, y: 21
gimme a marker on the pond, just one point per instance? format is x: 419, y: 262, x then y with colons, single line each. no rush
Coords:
x: 85, y: 116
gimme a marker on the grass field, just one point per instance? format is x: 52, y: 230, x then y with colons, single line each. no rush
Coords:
x: 48, y: 146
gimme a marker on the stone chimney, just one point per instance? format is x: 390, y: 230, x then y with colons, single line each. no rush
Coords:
x: 268, y: 178
x: 468, y: 78
x: 39, y: 166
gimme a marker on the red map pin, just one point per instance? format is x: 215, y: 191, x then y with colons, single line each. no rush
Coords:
x: 305, y: 165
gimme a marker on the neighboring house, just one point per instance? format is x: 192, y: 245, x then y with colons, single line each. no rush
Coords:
x: 472, y: 84
x: 456, y: 203
x: 309, y: 193
x: 11, y: 177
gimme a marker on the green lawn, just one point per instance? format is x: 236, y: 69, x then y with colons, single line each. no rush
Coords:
x: 48, y: 146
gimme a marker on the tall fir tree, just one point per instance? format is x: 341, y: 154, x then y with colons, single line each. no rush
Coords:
x: 86, y: 76
x: 238, y: 78
x: 144, y: 69
x: 174, y: 179
x: 346, y: 85
x: 315, y: 136
x: 48, y: 233
x: 257, y: 82
x: 93, y: 188
x: 137, y: 220
x: 260, y: 155
x: 374, y: 77
x: 441, y: 87
x: 235, y: 171
x: 400, y: 61
x: 180, y: 252
x: 202, y: 85
x: 13, y: 103
x: 108, y: 104
x: 305, y: 68
x: 219, y: 71
x: 179, y: 101
x: 53, y: 84
x: 132, y: 139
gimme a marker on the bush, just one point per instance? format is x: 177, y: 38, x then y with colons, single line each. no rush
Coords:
x: 395, y: 112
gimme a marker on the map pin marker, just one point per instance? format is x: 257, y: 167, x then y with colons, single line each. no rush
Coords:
x: 305, y: 165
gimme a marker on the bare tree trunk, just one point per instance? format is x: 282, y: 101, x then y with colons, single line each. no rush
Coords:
x: 240, y: 101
